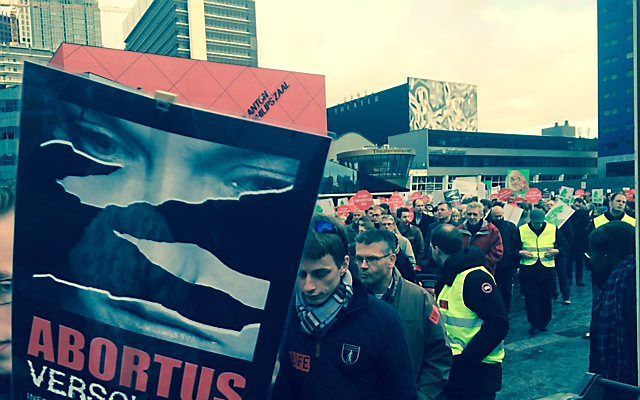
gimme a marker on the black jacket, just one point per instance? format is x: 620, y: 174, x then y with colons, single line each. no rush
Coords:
x: 423, y: 225
x: 469, y: 375
x: 312, y: 368
x: 510, y: 239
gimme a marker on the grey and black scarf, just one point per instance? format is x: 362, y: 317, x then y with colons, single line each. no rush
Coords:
x: 316, y: 320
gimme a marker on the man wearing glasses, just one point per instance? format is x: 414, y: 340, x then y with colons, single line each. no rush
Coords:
x: 478, y: 232
x: 430, y: 355
x: 6, y: 266
x: 342, y: 343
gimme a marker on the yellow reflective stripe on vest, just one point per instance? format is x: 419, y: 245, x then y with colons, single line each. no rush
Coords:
x: 538, y: 245
x: 602, y: 219
x: 460, y: 322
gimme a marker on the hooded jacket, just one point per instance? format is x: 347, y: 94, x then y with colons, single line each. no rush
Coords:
x: 487, y: 239
x: 364, y: 355
x: 469, y: 375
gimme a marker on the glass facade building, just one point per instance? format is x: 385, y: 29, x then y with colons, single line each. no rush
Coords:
x: 442, y: 156
x: 71, y: 21
x: 9, y: 132
x: 386, y: 163
x: 615, y: 87
x: 213, y: 30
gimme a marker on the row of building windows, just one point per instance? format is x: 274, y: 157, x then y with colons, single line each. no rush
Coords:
x: 498, y: 141
x: 214, y: 23
x: 226, y: 13
x: 9, y: 105
x: 229, y: 38
x: 230, y: 50
x: 232, y: 3
x: 509, y: 161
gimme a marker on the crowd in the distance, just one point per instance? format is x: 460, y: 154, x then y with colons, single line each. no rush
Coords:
x: 414, y: 302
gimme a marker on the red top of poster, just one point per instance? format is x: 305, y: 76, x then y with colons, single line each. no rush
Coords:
x: 363, y: 200
x: 289, y: 99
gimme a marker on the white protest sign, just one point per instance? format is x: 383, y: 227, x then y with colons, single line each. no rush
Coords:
x: 559, y: 214
x: 468, y: 186
x: 512, y: 213
x: 437, y: 197
x: 597, y: 195
x: 324, y: 206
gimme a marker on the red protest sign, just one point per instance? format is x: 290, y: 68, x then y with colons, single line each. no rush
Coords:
x: 415, y: 196
x: 533, y: 196
x: 363, y: 200
x: 384, y: 200
x: 396, y: 201
x: 494, y: 196
x: 631, y: 194
x: 504, y: 194
x: 427, y: 199
x: 343, y: 211
x: 579, y: 193
x: 519, y: 200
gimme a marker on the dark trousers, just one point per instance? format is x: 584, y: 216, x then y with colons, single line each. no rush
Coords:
x: 472, y: 397
x: 575, y: 262
x: 563, y: 280
x: 536, y: 288
x: 504, y: 280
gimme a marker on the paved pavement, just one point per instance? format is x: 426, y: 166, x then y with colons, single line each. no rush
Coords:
x: 552, y: 362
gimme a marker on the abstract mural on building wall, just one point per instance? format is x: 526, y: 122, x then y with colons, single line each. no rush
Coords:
x: 442, y: 105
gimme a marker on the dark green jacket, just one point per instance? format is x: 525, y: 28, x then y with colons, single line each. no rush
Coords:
x: 426, y: 338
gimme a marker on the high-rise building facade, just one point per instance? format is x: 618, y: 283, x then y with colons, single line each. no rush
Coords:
x: 12, y: 60
x: 57, y: 21
x: 214, y: 30
x: 615, y: 88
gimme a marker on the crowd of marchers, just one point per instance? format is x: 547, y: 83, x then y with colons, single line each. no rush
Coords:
x: 414, y: 304
x: 405, y: 304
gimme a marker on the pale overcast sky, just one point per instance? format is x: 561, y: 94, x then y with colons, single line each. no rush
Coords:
x: 535, y: 62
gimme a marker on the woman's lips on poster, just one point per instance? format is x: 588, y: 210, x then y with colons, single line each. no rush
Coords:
x: 155, y: 320
x: 5, y: 345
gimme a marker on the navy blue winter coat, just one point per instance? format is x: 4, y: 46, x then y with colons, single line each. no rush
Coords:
x: 364, y: 355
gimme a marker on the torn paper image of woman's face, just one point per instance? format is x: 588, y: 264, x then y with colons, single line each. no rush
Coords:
x: 129, y: 239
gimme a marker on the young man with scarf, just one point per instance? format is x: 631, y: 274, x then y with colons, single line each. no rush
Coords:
x: 423, y: 329
x: 342, y: 343
x: 613, y: 353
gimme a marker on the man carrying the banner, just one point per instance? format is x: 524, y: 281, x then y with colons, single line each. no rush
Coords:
x: 342, y: 343
x: 539, y: 243
x: 474, y: 317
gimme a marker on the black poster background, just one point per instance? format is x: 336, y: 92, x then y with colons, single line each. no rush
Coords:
x: 259, y: 235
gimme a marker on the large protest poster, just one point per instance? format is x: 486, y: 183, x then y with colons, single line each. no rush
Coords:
x: 156, y: 248
x: 518, y: 181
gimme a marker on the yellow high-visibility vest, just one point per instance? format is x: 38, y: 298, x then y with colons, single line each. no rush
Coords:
x: 602, y: 219
x: 538, y: 245
x: 460, y: 322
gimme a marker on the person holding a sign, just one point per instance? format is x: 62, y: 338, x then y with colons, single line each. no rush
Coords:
x: 6, y: 266
x: 539, y: 243
x: 342, y: 343
x: 430, y: 355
